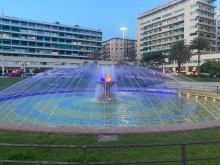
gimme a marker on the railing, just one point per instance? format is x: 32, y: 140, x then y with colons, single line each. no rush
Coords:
x: 183, y: 158
x: 214, y: 88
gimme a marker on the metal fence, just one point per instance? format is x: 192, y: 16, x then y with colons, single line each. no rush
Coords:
x: 213, y: 88
x: 183, y: 158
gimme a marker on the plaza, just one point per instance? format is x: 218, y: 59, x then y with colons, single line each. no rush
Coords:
x: 102, y: 94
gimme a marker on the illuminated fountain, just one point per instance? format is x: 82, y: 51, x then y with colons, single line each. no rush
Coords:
x: 106, y: 99
x: 106, y: 88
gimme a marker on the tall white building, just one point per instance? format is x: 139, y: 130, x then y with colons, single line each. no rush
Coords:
x: 218, y: 30
x: 158, y: 29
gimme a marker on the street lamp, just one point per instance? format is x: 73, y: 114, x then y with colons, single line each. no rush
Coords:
x: 24, y: 66
x: 123, y: 30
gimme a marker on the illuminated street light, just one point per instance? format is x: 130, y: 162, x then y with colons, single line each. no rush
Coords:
x: 123, y: 30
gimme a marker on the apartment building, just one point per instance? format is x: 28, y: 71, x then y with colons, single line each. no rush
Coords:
x: 117, y: 49
x: 158, y: 29
x: 218, y: 30
x: 21, y: 37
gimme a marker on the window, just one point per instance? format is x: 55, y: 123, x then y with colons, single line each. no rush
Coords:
x: 54, y: 39
x: 40, y: 44
x: 14, y: 22
x: 54, y: 34
x: 14, y: 42
x: 32, y: 43
x: 61, y: 34
x: 48, y: 45
x: 15, y: 29
x: 40, y: 25
x: 32, y: 37
x: 41, y: 51
x: 7, y: 42
x: 22, y: 23
x: 194, y: 5
x: 31, y: 24
x: 40, y: 38
x: 41, y: 32
x: 54, y: 45
x: 6, y: 35
x: 47, y: 38
x: 167, y: 15
x: 61, y: 40
x: 32, y: 50
x: 24, y: 43
x: 179, y: 10
x: 23, y: 37
x: 6, y: 28
x: 61, y: 28
x: 23, y: 30
x: 32, y: 31
x: 14, y: 35
x: 15, y: 49
x: 23, y: 50
x: 47, y: 33
x: 6, y: 48
x: 5, y: 21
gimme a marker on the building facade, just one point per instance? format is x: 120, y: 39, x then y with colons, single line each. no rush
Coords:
x: 218, y: 30
x: 190, y: 67
x: 20, y: 37
x: 158, y: 29
x: 117, y: 49
x: 11, y: 63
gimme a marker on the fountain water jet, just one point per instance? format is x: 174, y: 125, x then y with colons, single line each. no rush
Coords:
x: 106, y: 86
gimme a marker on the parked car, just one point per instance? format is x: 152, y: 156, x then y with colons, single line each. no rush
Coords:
x: 15, y: 73
x: 204, y: 74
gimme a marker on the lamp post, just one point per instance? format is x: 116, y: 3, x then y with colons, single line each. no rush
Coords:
x: 123, y: 30
x: 24, y: 66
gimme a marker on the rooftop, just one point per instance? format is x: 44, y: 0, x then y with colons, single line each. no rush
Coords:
x: 57, y: 23
x: 171, y: 2
x: 118, y: 38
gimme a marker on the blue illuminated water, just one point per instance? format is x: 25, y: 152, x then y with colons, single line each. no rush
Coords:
x: 80, y: 109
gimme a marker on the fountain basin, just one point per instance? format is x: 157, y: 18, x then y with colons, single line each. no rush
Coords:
x: 133, y: 109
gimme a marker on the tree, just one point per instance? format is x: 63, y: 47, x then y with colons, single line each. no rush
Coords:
x: 211, y: 67
x: 180, y: 52
x: 154, y: 57
x: 199, y: 44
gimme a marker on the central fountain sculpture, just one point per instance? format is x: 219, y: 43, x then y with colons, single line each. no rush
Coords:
x: 106, y: 89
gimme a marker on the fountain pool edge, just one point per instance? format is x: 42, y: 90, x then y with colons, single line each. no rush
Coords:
x: 136, y: 130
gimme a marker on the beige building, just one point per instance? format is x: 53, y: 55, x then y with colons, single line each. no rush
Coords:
x: 117, y: 49
x: 158, y: 29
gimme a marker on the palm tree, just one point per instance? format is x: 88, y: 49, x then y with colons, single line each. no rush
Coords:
x: 180, y: 52
x: 200, y: 44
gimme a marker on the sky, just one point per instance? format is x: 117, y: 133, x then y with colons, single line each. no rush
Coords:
x: 107, y: 15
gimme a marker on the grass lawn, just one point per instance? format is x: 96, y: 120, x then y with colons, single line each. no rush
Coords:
x: 8, y: 81
x: 96, y: 155
x: 111, y: 154
x: 203, y: 79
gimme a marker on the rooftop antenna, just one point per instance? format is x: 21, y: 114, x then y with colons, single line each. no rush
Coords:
x: 2, y: 12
